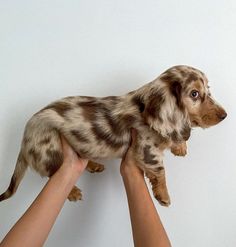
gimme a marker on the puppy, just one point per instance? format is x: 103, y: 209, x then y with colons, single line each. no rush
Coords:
x: 163, y: 112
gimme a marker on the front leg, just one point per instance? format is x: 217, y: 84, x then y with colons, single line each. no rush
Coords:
x: 179, y: 149
x: 159, y: 188
x: 149, y: 156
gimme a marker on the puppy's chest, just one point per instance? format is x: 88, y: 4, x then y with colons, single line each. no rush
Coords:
x: 149, y: 137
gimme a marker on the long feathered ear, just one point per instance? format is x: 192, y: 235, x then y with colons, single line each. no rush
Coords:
x: 153, y: 106
x: 176, y: 89
x: 165, y: 112
x: 173, y: 81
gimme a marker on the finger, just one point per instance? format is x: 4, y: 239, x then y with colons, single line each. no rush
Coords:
x: 84, y: 161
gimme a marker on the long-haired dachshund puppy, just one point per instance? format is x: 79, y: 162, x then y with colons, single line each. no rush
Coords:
x: 163, y: 112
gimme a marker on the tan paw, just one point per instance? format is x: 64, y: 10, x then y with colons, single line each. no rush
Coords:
x: 75, y: 194
x: 163, y: 199
x: 94, y: 167
x: 179, y: 150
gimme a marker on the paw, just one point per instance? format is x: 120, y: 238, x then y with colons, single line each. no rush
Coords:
x: 179, y: 150
x: 94, y: 167
x: 163, y: 199
x: 75, y: 194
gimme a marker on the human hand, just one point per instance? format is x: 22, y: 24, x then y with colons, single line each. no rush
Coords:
x: 129, y: 165
x: 71, y: 159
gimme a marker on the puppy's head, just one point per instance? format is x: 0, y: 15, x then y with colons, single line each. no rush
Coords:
x: 190, y: 88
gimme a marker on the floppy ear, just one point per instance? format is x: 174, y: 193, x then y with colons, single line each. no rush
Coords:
x: 176, y: 90
x: 153, y: 106
x: 164, y: 112
x: 173, y: 81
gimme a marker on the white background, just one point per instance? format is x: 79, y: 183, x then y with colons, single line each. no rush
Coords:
x: 53, y: 48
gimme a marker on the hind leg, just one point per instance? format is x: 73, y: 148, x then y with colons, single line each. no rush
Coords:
x: 94, y: 167
x: 44, y: 151
x: 75, y: 194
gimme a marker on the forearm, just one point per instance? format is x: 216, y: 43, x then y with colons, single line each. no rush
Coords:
x: 146, y: 224
x: 34, y: 226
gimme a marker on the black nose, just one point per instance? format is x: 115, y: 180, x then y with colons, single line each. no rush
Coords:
x: 222, y: 116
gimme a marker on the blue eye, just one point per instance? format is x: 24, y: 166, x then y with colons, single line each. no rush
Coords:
x: 194, y: 94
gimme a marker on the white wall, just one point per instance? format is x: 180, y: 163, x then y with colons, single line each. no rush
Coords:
x: 54, y: 48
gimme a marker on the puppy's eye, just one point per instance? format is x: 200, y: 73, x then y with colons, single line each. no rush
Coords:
x: 194, y: 94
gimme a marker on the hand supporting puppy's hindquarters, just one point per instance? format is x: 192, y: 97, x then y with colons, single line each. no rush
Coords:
x: 72, y: 163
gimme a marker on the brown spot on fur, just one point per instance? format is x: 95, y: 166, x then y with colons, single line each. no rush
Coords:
x: 148, y: 157
x: 89, y: 109
x: 183, y: 73
x: 192, y: 77
x: 79, y: 136
x: 93, y: 110
x: 175, y: 137
x: 183, y: 135
x: 160, y: 139
x: 55, y: 160
x: 137, y: 100
x: 45, y: 141
x: 60, y: 107
x: 158, y: 169
x: 176, y: 90
x: 154, y: 105
x: 118, y: 124
x: 169, y: 77
x: 127, y: 120
x: 186, y: 131
x: 106, y: 136
x: 115, y: 124
x: 36, y: 155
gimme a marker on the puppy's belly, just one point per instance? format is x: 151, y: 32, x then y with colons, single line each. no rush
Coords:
x: 100, y: 151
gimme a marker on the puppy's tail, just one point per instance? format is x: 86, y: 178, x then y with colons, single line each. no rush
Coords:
x: 17, y: 176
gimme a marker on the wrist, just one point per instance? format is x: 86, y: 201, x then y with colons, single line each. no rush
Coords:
x: 69, y: 173
x: 131, y: 173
